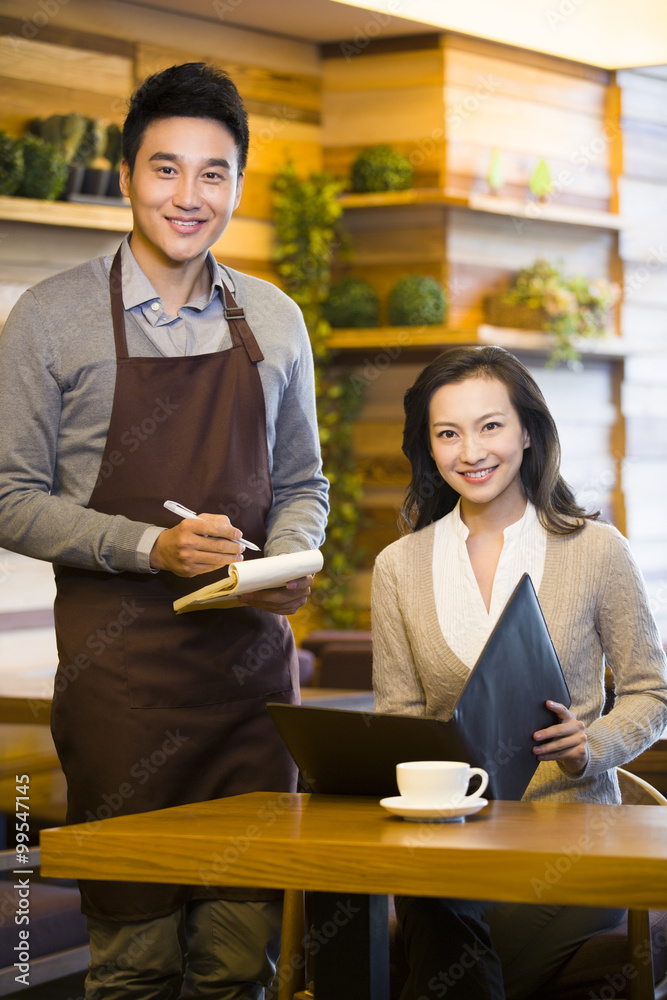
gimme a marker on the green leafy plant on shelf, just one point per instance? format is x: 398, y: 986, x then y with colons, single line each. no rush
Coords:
x: 496, y: 173
x: 64, y: 131
x: 352, y: 302
x: 381, y: 168
x: 44, y: 169
x: 540, y: 182
x: 308, y: 231
x: 11, y: 164
x: 114, y: 147
x: 568, y: 308
x: 417, y: 300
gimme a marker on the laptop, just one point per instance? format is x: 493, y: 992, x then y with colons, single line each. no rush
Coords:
x: 352, y: 752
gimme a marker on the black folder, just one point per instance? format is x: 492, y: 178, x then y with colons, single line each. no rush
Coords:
x: 502, y: 704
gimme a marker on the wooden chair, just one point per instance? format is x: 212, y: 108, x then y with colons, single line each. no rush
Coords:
x: 291, y: 972
x: 58, y: 936
x: 605, y: 955
x: 582, y: 977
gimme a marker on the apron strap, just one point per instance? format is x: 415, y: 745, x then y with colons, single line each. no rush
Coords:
x: 117, y: 307
x: 238, y: 327
x: 235, y: 316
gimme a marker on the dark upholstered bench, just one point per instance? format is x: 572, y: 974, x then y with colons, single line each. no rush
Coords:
x: 344, y: 658
x: 58, y: 937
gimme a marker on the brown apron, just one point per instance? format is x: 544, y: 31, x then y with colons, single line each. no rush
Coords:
x: 153, y: 709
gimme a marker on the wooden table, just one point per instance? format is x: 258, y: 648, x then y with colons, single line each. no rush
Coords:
x: 513, y: 851
x: 579, y: 854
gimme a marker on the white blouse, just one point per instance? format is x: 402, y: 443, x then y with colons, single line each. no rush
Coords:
x: 466, y: 625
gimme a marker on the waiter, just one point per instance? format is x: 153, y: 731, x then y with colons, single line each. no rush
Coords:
x: 156, y: 374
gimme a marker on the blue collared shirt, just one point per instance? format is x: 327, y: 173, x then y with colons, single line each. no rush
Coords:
x: 199, y: 327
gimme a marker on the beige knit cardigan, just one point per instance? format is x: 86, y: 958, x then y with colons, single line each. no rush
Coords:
x: 597, y: 610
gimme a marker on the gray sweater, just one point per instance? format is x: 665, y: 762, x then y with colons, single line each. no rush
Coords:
x: 57, y: 376
x: 596, y: 607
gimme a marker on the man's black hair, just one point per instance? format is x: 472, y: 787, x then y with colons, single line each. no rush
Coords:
x: 191, y: 90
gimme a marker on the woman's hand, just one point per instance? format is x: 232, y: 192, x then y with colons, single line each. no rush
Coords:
x: 568, y: 741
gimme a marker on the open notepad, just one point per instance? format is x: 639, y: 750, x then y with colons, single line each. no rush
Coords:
x: 246, y: 577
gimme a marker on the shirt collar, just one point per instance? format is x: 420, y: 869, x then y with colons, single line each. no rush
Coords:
x: 525, y: 522
x: 458, y: 527
x: 138, y: 290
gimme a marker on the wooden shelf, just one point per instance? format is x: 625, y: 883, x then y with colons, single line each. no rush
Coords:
x: 408, y: 337
x: 536, y: 342
x: 523, y: 209
x: 534, y: 211
x: 390, y: 199
x: 429, y: 337
x: 114, y: 218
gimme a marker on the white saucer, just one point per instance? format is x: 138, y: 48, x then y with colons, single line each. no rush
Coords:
x: 399, y: 806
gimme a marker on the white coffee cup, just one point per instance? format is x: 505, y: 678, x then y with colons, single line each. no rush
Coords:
x: 438, y: 783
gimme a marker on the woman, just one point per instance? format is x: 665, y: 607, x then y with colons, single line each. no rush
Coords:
x: 486, y: 503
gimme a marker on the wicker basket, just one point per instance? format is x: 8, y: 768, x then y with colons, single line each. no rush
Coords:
x: 515, y: 315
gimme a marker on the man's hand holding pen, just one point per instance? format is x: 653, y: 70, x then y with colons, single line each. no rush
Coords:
x: 202, y: 543
x: 197, y: 545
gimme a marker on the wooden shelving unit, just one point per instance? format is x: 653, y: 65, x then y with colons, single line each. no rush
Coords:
x: 536, y: 342
x: 429, y: 338
x: 408, y: 337
x: 524, y: 209
x: 113, y: 218
x: 246, y: 244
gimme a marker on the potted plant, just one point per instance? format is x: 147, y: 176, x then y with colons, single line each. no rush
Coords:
x: 44, y: 169
x: 307, y: 214
x: 541, y: 298
x: 417, y: 300
x: 381, y: 168
x: 11, y: 164
x: 67, y: 133
x: 540, y: 182
x: 114, y: 153
x: 98, y: 168
x: 496, y: 173
x: 352, y: 302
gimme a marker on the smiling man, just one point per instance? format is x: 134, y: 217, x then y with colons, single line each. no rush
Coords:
x: 157, y: 374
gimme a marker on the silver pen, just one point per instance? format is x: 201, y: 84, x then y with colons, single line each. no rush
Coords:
x: 181, y: 511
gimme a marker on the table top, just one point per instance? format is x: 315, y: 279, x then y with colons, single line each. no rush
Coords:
x: 593, y: 855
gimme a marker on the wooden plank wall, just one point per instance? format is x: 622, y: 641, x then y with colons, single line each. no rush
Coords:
x: 530, y: 107
x: 447, y: 106
x: 390, y: 92
x: 643, y: 248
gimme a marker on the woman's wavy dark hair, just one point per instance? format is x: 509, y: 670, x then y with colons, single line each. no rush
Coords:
x: 429, y: 497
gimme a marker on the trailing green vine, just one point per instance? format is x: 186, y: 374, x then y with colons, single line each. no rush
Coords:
x: 308, y: 231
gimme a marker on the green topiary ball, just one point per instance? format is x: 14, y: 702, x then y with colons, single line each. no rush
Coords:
x: 415, y: 301
x: 381, y: 168
x: 11, y: 164
x: 45, y: 169
x: 352, y: 302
